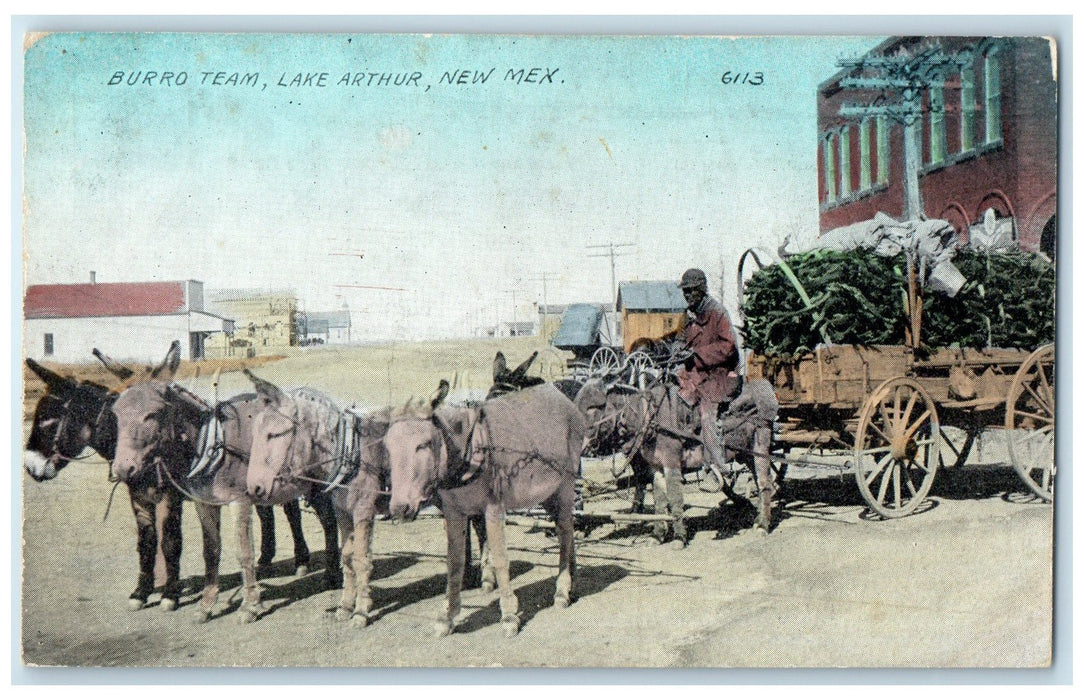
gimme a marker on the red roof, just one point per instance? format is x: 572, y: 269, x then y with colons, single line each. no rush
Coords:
x: 106, y: 299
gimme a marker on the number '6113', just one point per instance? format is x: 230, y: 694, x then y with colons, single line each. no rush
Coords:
x: 740, y: 78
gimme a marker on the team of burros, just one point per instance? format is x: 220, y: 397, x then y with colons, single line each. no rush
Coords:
x: 519, y: 448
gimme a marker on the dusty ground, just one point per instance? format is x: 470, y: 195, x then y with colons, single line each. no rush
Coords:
x: 965, y: 583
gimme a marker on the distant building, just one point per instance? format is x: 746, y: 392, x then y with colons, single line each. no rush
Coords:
x: 649, y: 310
x: 126, y: 320
x: 320, y: 327
x: 263, y: 319
x: 549, y: 319
x: 989, y: 140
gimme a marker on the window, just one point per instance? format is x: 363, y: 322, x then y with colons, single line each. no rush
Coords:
x: 882, y: 150
x: 864, y: 154
x: 992, y: 93
x: 48, y: 344
x: 937, y: 124
x: 967, y: 109
x: 828, y: 147
x: 844, y: 161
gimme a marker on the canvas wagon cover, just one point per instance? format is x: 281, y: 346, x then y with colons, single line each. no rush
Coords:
x: 579, y: 326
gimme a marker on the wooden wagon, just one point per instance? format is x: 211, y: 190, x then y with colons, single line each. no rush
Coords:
x: 888, y: 406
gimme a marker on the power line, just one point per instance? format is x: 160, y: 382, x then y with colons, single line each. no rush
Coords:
x: 612, y: 253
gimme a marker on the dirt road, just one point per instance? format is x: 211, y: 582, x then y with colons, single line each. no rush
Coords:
x: 966, y: 583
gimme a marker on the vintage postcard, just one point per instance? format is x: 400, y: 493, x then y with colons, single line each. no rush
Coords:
x: 538, y: 350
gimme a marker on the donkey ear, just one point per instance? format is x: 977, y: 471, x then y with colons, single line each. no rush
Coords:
x: 500, y: 366
x: 270, y: 394
x: 441, y: 394
x: 520, y: 372
x: 172, y: 361
x: 116, y: 369
x: 51, y: 378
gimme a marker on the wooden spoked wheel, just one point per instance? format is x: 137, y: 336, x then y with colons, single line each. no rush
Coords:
x: 604, y: 362
x: 897, y: 447
x: 640, y: 368
x: 1029, y: 418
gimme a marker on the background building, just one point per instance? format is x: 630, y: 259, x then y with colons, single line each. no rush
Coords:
x: 986, y: 157
x: 126, y: 320
x: 263, y: 319
x: 320, y: 327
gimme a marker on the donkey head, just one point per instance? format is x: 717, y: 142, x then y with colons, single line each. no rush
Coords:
x: 417, y: 453
x: 157, y: 421
x: 67, y: 419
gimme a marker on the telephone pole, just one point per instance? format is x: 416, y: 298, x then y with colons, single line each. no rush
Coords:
x: 901, y: 81
x: 612, y: 253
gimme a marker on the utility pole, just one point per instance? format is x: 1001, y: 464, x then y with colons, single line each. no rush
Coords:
x: 515, y: 317
x: 901, y: 81
x: 544, y: 278
x: 612, y: 253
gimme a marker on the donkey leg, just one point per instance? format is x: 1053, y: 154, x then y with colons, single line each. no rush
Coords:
x: 251, y: 607
x: 658, y: 492
x: 210, y: 518
x: 455, y: 528
x: 325, y: 511
x: 561, y: 507
x: 301, y: 548
x: 363, y: 568
x: 146, y: 546
x: 347, y: 534
x: 173, y: 505
x: 485, y: 557
x: 499, y: 552
x: 762, y: 441
x: 266, y: 516
x: 676, y: 495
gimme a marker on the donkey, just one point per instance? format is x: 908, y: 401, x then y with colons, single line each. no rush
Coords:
x: 514, y: 451
x: 657, y: 432
x: 74, y: 415
x: 159, y: 428
x: 302, y: 438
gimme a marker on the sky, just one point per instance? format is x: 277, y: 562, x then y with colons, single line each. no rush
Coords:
x: 432, y: 207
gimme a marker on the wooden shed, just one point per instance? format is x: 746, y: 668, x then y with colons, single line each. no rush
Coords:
x: 649, y: 310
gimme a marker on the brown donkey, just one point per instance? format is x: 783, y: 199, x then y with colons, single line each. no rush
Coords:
x: 159, y: 428
x: 515, y: 451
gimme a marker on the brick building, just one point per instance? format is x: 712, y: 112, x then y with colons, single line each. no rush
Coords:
x: 988, y: 133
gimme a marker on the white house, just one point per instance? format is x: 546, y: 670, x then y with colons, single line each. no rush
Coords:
x: 126, y: 320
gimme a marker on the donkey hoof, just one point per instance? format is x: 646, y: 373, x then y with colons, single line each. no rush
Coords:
x: 342, y: 614
x: 561, y: 601
x: 488, y: 586
x: 443, y: 627
x: 201, y: 616
x: 302, y: 570
x: 510, y: 626
x: 359, y: 620
x: 136, y: 604
x: 247, y: 617
x: 168, y: 605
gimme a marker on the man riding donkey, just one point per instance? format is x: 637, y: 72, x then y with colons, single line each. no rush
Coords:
x: 709, y: 382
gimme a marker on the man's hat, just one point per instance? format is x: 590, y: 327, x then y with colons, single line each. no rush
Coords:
x: 693, y: 277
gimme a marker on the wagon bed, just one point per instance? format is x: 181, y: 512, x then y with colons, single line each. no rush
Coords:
x: 888, y: 404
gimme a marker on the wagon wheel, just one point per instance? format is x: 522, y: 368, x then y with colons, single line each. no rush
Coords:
x: 640, y: 368
x: 1029, y: 416
x: 897, y: 447
x: 604, y: 362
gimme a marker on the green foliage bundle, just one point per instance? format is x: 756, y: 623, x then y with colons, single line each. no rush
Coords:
x: 856, y: 297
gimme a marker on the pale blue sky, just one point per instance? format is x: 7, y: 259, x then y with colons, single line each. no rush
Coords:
x: 456, y: 193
